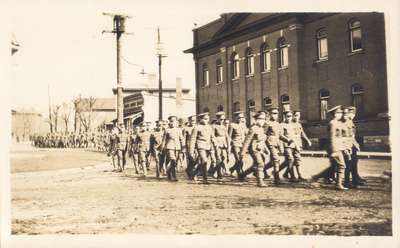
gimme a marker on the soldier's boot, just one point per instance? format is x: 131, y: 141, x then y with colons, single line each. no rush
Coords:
x: 173, y: 171
x: 265, y: 172
x: 204, y: 172
x: 299, y: 174
x: 292, y: 176
x: 219, y: 170
x: 260, y: 177
x: 211, y: 170
x: 277, y: 179
x: 340, y: 177
x: 157, y: 169
x: 144, y: 169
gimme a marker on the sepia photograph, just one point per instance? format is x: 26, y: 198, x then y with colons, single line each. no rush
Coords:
x: 192, y: 120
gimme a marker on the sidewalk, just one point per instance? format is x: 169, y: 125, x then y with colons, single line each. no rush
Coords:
x: 364, y: 155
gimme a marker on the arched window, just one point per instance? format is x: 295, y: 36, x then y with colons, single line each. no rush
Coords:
x: 357, y: 93
x: 267, y: 103
x: 265, y: 58
x: 285, y: 101
x: 235, y: 65
x: 236, y: 106
x: 283, y: 58
x: 249, y: 62
x: 220, y: 108
x: 355, y: 35
x: 322, y: 41
x: 206, y: 79
x: 324, y: 102
x: 220, y: 72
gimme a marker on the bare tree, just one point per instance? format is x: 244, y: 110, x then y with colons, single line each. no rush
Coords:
x: 56, y: 112
x: 86, y: 112
x: 77, y: 101
x: 65, y: 115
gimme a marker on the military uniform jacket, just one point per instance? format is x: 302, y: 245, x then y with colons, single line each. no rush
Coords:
x: 187, y: 131
x: 156, y: 139
x: 237, y: 133
x: 143, y: 141
x: 255, y: 140
x: 123, y: 140
x: 221, y: 136
x: 275, y: 134
x: 299, y: 134
x: 289, y: 131
x: 336, y: 142
x: 202, y: 137
x: 173, y: 139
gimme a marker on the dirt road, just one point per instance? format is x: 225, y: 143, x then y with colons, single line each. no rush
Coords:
x: 95, y: 200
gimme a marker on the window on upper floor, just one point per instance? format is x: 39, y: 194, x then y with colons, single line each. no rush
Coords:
x: 265, y: 58
x: 249, y: 62
x: 235, y: 65
x: 220, y: 72
x: 251, y: 110
x: 206, y: 79
x: 322, y: 42
x: 355, y: 35
x: 324, y: 96
x: 220, y: 108
x: 283, y: 58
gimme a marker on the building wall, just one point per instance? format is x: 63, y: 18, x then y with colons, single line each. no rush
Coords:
x: 305, y: 76
x: 25, y: 124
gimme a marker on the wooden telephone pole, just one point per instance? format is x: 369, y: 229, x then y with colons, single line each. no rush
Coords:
x: 119, y: 29
x: 160, y: 55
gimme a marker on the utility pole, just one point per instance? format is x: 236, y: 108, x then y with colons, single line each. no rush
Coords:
x: 119, y: 29
x: 160, y: 56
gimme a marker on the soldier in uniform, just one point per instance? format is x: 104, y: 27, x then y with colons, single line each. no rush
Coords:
x: 122, y: 146
x: 289, y: 147
x: 299, y: 135
x: 155, y: 145
x: 275, y: 135
x: 143, y: 146
x: 255, y: 144
x: 172, y: 143
x: 113, y: 146
x: 237, y: 133
x: 356, y: 146
x: 222, y: 144
x: 187, y: 131
x: 202, y: 139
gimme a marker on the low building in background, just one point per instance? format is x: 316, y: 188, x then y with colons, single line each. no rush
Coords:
x: 94, y: 113
x: 24, y: 124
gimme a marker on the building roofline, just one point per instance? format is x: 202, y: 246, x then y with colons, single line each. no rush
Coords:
x: 151, y: 90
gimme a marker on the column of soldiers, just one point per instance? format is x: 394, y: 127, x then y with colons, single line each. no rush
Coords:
x: 204, y: 150
x: 98, y: 140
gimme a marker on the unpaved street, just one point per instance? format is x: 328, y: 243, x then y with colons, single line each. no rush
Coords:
x: 89, y: 199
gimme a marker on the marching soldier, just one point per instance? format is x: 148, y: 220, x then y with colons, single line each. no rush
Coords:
x: 172, y: 143
x: 275, y: 135
x: 133, y: 148
x: 289, y: 147
x: 356, y: 146
x: 122, y: 146
x: 155, y: 145
x: 299, y: 135
x: 143, y: 147
x: 202, y: 139
x: 222, y: 144
x: 255, y: 144
x: 187, y: 131
x: 237, y: 133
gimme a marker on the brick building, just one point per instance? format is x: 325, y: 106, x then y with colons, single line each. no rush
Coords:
x: 307, y: 61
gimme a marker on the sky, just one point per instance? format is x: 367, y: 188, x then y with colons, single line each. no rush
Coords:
x: 63, y: 48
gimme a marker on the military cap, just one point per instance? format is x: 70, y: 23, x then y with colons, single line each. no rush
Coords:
x: 296, y: 111
x: 171, y: 117
x: 192, y: 118
x: 352, y: 108
x: 273, y: 110
x: 202, y: 115
x: 287, y: 112
x: 335, y: 109
x: 220, y: 113
x: 239, y: 114
x: 260, y: 115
